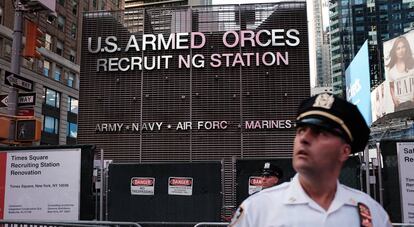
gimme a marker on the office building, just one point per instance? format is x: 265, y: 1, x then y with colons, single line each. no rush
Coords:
x: 54, y: 76
x: 354, y: 21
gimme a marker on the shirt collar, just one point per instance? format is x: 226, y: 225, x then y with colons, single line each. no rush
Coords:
x: 296, y: 195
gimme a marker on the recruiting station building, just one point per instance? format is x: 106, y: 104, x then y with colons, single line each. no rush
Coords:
x: 192, y: 84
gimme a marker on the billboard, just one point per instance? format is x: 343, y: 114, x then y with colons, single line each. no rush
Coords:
x: 357, y: 78
x: 399, y: 71
x: 40, y: 184
x: 381, y: 102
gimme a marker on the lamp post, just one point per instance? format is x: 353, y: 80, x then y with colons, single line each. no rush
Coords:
x: 21, y: 6
x: 15, y: 64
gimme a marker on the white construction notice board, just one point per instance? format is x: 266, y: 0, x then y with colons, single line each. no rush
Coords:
x: 405, y: 151
x: 40, y: 184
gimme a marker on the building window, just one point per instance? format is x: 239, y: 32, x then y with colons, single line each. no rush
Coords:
x: 73, y: 31
x: 59, y: 47
x: 75, y: 7
x: 71, y: 79
x: 50, y: 19
x: 360, y: 28
x: 61, y: 2
x: 396, y: 6
x: 61, y: 23
x: 72, y: 130
x: 46, y: 68
x: 48, y: 41
x: 72, y: 55
x: 51, y: 125
x: 1, y: 15
x: 397, y: 26
x: 52, y: 97
x: 383, y: 7
x: 73, y: 105
x: 396, y: 16
x: 101, y: 5
x: 58, y: 73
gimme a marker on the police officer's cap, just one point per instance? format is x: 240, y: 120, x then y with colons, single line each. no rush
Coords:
x: 270, y: 169
x: 335, y: 115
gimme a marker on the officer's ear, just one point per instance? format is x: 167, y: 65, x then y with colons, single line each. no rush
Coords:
x: 345, y: 151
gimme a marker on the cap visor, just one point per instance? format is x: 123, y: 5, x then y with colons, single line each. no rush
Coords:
x: 323, y: 124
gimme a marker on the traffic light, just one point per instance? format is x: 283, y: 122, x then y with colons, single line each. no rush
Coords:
x: 28, y: 130
x: 34, y: 40
x: 4, y: 128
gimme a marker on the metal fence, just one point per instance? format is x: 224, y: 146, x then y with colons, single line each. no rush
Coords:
x: 26, y: 223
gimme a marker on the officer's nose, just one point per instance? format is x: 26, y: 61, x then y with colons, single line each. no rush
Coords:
x: 305, y: 134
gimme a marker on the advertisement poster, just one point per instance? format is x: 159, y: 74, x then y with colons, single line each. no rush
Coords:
x: 358, y: 88
x: 40, y: 184
x: 405, y: 151
x: 180, y: 186
x: 399, y: 71
x: 381, y: 102
x: 255, y: 184
x: 142, y: 185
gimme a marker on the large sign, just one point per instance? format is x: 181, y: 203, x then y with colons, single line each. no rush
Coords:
x: 399, y: 71
x: 40, y: 185
x: 275, y: 38
x: 188, y: 125
x: 358, y: 82
x: 405, y: 152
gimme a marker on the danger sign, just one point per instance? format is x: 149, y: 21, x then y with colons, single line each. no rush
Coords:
x: 142, y: 185
x: 180, y: 186
x: 255, y: 184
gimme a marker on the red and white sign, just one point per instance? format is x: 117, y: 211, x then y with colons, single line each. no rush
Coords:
x: 180, y: 186
x: 40, y: 184
x: 255, y: 184
x: 142, y: 185
x: 25, y: 112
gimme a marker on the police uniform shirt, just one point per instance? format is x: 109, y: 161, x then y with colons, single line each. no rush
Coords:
x: 288, y: 205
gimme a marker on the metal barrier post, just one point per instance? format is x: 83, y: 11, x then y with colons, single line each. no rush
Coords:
x: 212, y: 224
x: 366, y: 160
x: 379, y: 158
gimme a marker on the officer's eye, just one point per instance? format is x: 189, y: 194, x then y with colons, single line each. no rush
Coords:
x: 300, y: 129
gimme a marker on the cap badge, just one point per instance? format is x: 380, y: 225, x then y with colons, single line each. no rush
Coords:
x: 324, y: 101
x: 267, y: 165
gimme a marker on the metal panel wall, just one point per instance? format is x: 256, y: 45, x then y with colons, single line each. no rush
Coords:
x: 234, y: 94
x: 163, y: 206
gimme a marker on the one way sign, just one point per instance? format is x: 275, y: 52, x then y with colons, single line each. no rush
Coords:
x: 24, y: 99
x: 18, y: 81
x: 4, y: 99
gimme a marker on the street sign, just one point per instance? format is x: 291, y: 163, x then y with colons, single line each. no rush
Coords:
x: 26, y: 99
x: 18, y: 81
x: 4, y: 99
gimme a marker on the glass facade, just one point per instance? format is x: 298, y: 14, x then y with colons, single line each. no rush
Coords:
x: 354, y: 21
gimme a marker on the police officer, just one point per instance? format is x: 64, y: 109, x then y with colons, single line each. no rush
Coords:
x: 271, y: 175
x: 328, y: 130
